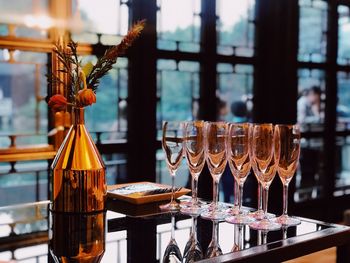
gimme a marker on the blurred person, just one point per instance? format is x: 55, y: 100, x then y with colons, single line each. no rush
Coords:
x: 239, y: 111
x: 309, y: 106
x: 222, y: 109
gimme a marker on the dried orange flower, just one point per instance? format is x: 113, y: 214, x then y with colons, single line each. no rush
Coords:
x: 58, y: 102
x: 86, y: 97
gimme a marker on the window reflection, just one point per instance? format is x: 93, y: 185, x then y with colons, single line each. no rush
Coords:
x: 236, y: 88
x: 177, y: 90
x: 180, y: 31
x: 28, y: 19
x: 312, y: 30
x: 103, y: 16
x: 22, y: 92
x: 344, y: 35
x: 311, y: 100
x: 235, y: 27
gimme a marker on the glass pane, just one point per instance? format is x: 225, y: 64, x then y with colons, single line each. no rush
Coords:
x: 310, y: 176
x: 312, y: 31
x: 343, y: 143
x: 109, y: 113
x: 28, y: 183
x: 343, y: 110
x: 23, y: 89
x: 115, y: 168
x: 25, y: 18
x: 178, y: 90
x: 236, y: 89
x: 344, y: 35
x: 182, y: 178
x: 235, y: 27
x: 109, y: 17
x: 178, y: 25
x: 311, y: 99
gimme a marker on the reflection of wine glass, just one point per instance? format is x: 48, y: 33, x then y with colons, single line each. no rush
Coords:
x: 172, y: 252
x: 238, y: 155
x: 265, y: 154
x: 214, y: 248
x: 193, y: 251
x: 194, y: 151
x: 215, y: 153
x: 287, y: 165
x: 238, y: 238
x: 173, y: 147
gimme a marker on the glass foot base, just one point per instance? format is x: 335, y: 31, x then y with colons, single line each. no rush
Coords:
x: 172, y: 206
x: 212, y: 206
x: 265, y: 225
x: 259, y: 215
x: 240, y: 219
x: 192, y: 210
x: 213, y: 215
x: 232, y: 211
x: 190, y: 203
x: 286, y: 220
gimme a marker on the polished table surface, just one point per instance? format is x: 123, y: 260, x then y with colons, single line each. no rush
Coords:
x: 130, y: 233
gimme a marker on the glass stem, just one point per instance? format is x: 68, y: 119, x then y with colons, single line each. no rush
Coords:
x: 236, y: 236
x: 265, y: 200
x: 194, y: 227
x: 172, y: 227
x: 285, y: 199
x: 264, y: 237
x: 195, y: 189
x: 216, y: 192
x: 259, y: 196
x: 235, y: 186
x: 172, y: 188
x: 215, y: 233
x: 240, y: 197
x: 241, y: 237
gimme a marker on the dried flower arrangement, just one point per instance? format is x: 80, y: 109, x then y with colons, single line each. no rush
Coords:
x: 85, y: 79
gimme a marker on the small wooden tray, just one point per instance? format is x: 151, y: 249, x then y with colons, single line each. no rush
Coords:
x: 134, y: 192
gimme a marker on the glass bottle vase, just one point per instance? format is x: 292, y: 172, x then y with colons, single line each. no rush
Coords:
x: 78, y: 172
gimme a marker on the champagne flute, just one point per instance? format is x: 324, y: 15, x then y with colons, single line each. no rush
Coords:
x: 287, y: 165
x: 194, y: 152
x: 172, y: 143
x: 265, y: 157
x: 193, y: 251
x: 238, y: 155
x: 215, y: 153
x: 172, y: 252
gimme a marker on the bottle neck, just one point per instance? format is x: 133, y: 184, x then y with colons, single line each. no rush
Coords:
x: 78, y: 116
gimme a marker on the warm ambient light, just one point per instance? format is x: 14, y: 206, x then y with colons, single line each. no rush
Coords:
x: 42, y: 21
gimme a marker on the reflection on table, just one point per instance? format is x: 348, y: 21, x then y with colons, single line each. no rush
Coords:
x: 145, y: 236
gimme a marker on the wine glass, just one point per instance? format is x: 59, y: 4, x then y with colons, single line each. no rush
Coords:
x: 193, y: 251
x: 287, y: 165
x: 214, y: 248
x: 215, y: 153
x: 172, y: 143
x: 238, y: 156
x: 265, y: 157
x: 194, y: 152
x: 172, y: 252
